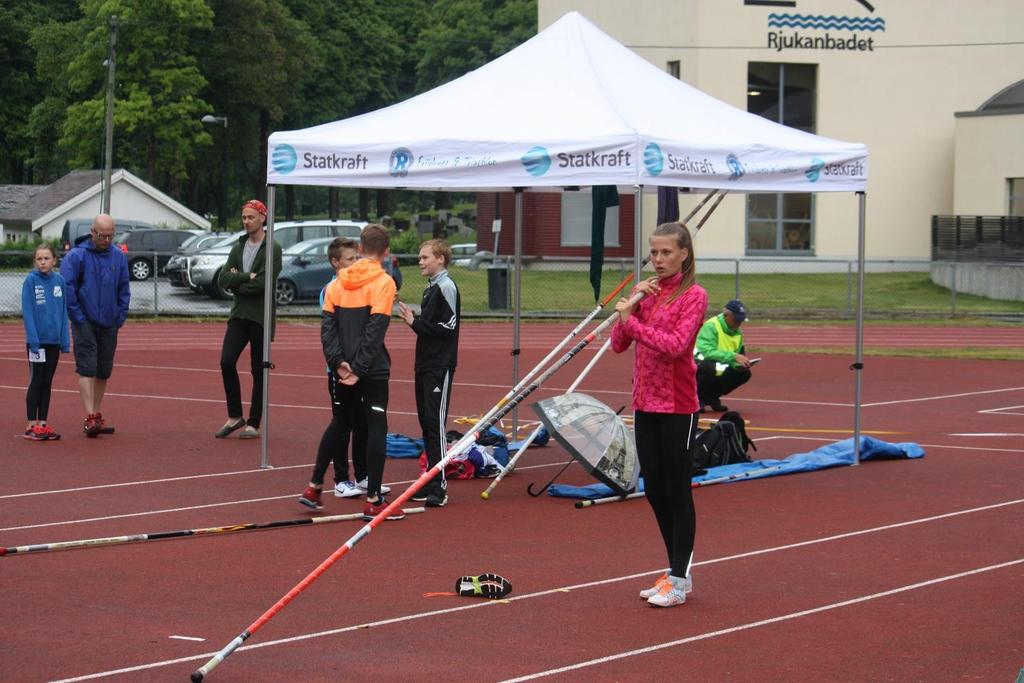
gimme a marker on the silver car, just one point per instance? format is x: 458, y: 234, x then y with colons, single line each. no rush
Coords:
x: 204, y: 268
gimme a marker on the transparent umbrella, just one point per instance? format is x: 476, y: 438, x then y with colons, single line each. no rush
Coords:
x: 595, y: 436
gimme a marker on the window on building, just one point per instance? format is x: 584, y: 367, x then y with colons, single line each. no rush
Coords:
x: 787, y: 94
x: 1016, y: 196
x: 576, y: 211
x: 673, y: 68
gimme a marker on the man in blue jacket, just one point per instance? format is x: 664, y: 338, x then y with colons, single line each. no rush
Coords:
x: 96, y: 276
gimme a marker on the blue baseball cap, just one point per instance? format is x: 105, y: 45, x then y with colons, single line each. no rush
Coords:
x: 738, y: 310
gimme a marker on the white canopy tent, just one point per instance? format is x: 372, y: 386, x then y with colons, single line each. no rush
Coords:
x: 569, y: 107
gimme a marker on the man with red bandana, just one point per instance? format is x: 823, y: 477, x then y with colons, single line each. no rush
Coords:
x: 244, y: 276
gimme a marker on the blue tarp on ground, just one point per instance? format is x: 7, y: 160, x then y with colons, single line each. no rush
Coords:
x: 833, y: 455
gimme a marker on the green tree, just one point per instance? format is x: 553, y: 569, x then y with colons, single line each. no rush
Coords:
x: 19, y: 84
x: 463, y: 35
x: 157, y: 105
x: 257, y: 61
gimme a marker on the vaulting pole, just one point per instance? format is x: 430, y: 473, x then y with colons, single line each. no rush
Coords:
x: 458, y: 448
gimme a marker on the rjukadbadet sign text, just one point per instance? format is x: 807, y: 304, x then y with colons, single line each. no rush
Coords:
x: 510, y: 165
x: 799, y: 31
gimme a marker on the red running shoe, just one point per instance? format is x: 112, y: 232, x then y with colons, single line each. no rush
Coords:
x: 311, y: 498
x: 35, y: 433
x: 373, y: 509
x: 104, y: 429
x: 92, y: 425
x: 50, y: 434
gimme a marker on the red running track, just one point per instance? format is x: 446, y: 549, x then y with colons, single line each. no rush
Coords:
x: 909, y: 570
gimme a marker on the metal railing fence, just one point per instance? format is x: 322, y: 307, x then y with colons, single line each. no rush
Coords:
x: 559, y: 287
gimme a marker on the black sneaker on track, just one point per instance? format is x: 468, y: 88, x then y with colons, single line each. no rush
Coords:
x: 437, y: 500
x: 490, y: 586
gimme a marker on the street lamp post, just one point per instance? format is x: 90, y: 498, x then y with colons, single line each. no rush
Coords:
x: 223, y: 217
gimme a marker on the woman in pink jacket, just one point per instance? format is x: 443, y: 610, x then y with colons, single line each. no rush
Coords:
x: 664, y: 326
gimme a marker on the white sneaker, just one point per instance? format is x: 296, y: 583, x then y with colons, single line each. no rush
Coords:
x: 346, y: 489
x: 662, y: 580
x: 669, y: 596
x: 362, y: 486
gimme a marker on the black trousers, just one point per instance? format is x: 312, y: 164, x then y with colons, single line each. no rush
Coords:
x: 664, y: 442
x: 711, y: 387
x: 433, y: 395
x: 347, y: 420
x: 238, y: 334
x: 369, y: 398
x: 40, y: 379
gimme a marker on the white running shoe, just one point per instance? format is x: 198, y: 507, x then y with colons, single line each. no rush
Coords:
x: 668, y: 597
x: 347, y: 489
x: 663, y: 579
x: 362, y: 486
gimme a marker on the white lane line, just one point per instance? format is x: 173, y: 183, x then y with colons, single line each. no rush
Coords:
x: 192, y: 638
x: 529, y: 596
x: 191, y: 399
x: 143, y: 514
x: 764, y: 622
x: 204, y: 506
x: 479, y: 385
x: 940, y: 398
x: 1008, y: 410
x: 150, y: 481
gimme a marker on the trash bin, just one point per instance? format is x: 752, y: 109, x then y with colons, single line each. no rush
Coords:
x: 497, y: 286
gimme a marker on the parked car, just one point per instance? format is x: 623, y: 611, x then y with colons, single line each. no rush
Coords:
x: 204, y: 267
x: 305, y: 270
x: 75, y: 228
x: 177, y: 267
x: 142, y: 246
x: 466, y: 255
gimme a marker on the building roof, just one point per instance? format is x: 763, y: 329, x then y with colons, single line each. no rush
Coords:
x: 49, y: 197
x: 1009, y: 100
x: 13, y: 195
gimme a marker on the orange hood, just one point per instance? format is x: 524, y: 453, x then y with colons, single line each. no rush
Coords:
x: 360, y: 273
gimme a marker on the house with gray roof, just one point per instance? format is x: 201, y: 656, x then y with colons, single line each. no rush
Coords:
x: 27, y: 211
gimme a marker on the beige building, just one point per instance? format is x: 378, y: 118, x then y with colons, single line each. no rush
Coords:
x: 892, y: 74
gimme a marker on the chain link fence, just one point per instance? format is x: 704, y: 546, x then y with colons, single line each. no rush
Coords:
x: 554, y: 288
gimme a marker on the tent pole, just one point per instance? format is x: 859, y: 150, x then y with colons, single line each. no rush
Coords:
x: 517, y: 301
x: 638, y: 219
x: 268, y: 326
x: 858, y: 363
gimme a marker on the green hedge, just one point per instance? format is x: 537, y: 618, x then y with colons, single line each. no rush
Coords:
x: 19, y: 254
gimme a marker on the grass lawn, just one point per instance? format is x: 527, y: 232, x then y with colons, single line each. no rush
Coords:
x: 777, y: 295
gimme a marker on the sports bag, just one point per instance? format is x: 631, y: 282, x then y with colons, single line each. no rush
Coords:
x: 724, y: 443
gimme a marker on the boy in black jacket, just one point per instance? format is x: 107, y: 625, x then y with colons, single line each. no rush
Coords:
x: 437, y: 345
x: 356, y: 314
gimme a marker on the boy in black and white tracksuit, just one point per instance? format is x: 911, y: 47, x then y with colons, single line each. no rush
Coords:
x: 437, y: 344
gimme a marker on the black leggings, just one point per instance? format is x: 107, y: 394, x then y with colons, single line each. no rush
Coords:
x: 239, y: 333
x: 664, y: 442
x: 40, y: 379
x: 369, y: 401
x: 347, y: 419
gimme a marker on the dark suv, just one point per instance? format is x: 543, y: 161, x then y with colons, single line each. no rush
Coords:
x: 142, y: 246
x: 75, y: 228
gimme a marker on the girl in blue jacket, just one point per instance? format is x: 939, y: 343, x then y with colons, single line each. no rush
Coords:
x: 44, y: 310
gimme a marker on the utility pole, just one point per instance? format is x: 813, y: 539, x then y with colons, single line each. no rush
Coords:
x: 223, y: 215
x: 109, y: 150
